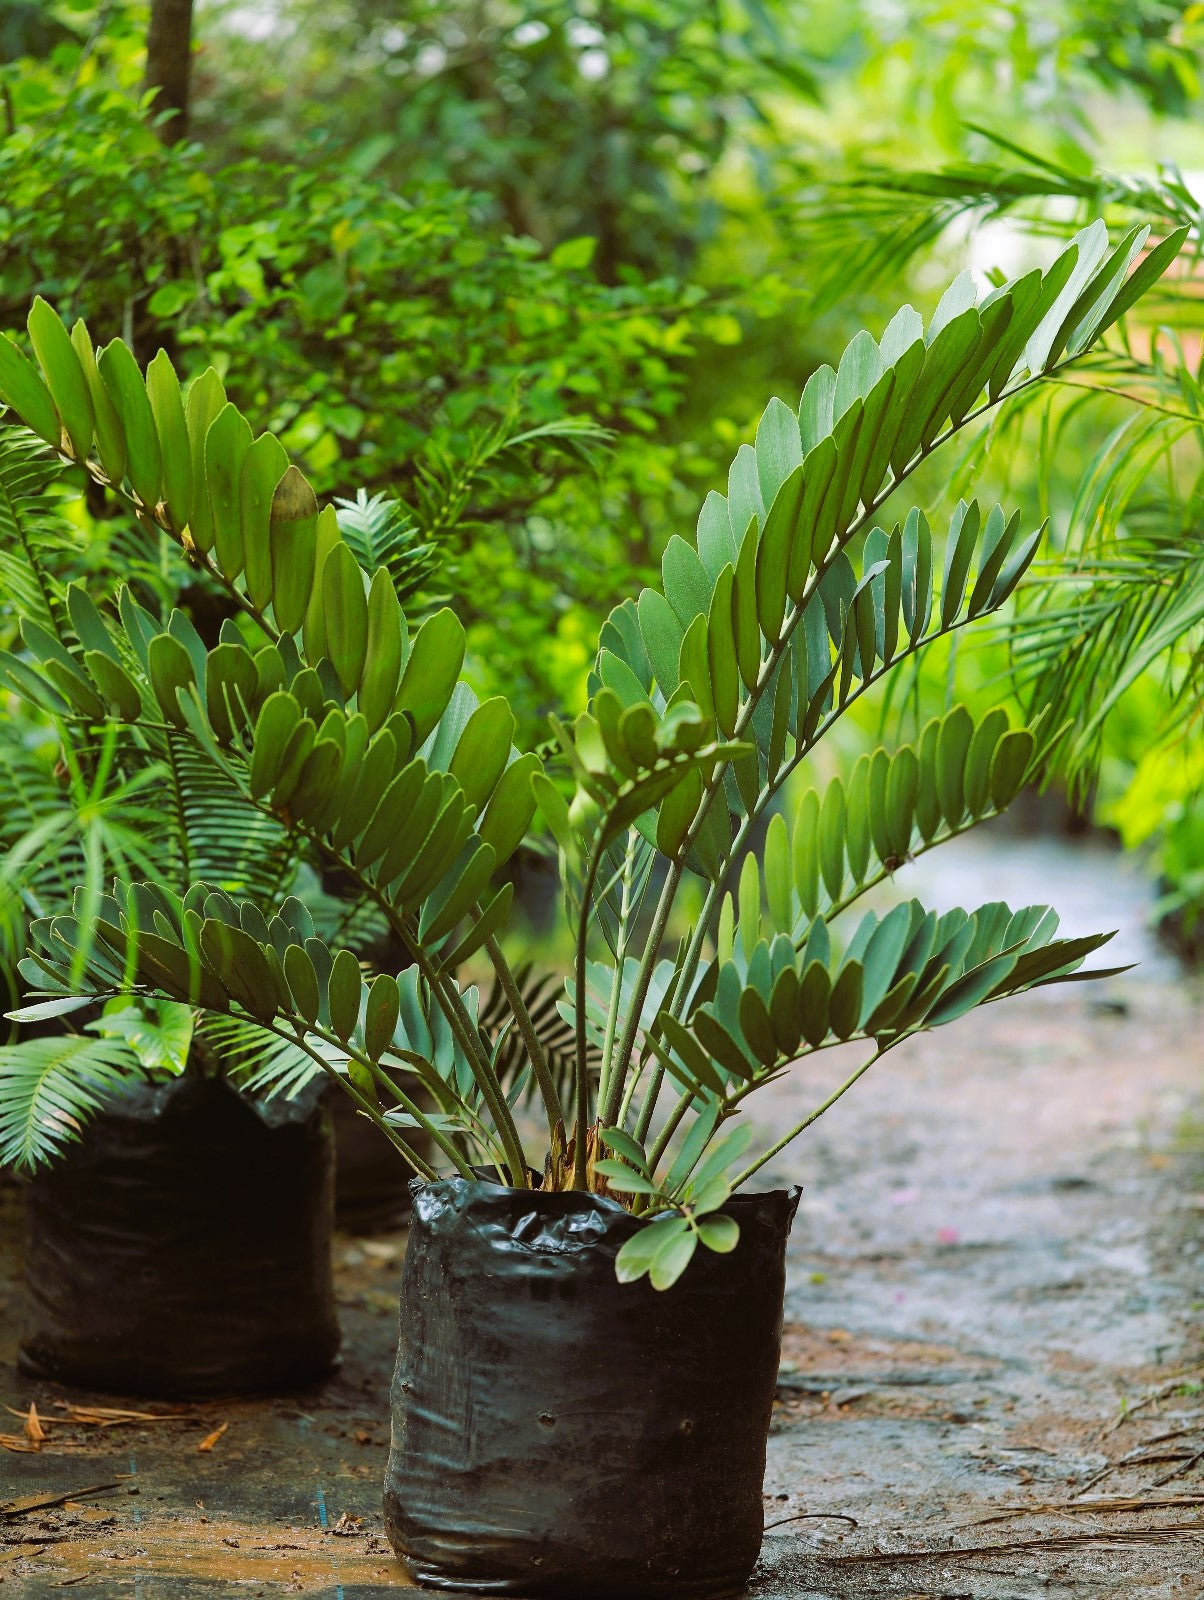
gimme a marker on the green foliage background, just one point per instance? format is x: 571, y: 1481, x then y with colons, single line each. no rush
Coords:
x: 531, y: 267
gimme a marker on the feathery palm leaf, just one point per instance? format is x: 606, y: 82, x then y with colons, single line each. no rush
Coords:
x: 218, y: 835
x: 49, y: 1088
x: 1126, y: 596
x: 448, y: 484
x: 542, y: 993
x: 33, y: 535
x: 877, y: 220
x: 381, y: 533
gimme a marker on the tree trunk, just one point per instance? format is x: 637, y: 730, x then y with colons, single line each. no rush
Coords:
x: 168, y: 64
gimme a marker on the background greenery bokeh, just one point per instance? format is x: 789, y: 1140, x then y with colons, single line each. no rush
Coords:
x: 534, y: 267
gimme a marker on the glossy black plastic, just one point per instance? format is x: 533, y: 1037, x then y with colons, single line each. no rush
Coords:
x: 556, y: 1432
x: 182, y: 1246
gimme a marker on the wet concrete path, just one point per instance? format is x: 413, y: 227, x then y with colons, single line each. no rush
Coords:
x: 993, y: 1375
x: 997, y: 1281
x: 997, y: 1256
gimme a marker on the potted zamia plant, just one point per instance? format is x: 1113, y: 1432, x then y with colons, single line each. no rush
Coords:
x: 154, y: 1266
x: 149, y: 1270
x: 161, y: 1244
x: 111, y: 1119
x: 609, y: 1314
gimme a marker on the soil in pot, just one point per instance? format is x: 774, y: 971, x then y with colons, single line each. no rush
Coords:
x: 556, y: 1432
x: 182, y: 1247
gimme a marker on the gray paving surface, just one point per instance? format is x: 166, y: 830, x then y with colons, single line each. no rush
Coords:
x: 995, y: 1294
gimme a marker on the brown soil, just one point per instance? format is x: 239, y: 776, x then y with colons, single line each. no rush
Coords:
x: 992, y: 1381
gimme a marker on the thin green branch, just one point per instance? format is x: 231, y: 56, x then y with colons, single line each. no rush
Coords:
x: 522, y: 1016
x: 801, y: 1127
x: 365, y: 1105
x: 581, y: 1077
x: 648, y: 1105
x: 672, y: 1123
x: 469, y: 1040
x: 606, y: 1092
x: 1133, y: 399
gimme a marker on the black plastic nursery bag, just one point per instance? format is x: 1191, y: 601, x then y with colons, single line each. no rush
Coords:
x: 556, y: 1432
x: 182, y: 1246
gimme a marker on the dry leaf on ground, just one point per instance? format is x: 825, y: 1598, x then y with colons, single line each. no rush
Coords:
x: 114, y: 1416
x: 34, y: 1430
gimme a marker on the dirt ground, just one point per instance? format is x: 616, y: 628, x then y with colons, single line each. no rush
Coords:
x: 992, y: 1384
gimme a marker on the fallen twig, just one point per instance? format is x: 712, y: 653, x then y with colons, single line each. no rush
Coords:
x: 41, y: 1502
x: 1175, y: 1433
x: 19, y: 1443
x: 1090, y: 1507
x: 1150, y: 1399
x: 1137, y: 1458
x: 96, y: 1416
x: 814, y: 1516
x: 1060, y: 1541
x: 116, y: 1416
x: 1181, y: 1472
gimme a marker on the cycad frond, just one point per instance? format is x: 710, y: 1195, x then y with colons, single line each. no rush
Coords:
x: 48, y: 1090
x: 882, y: 218
x: 33, y: 535
x: 381, y: 533
x: 219, y: 836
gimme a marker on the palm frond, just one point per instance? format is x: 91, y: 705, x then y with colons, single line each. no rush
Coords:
x: 218, y: 836
x: 1126, y: 596
x: 877, y: 220
x: 33, y: 533
x: 1123, y: 599
x: 542, y: 993
x: 48, y: 1090
x: 35, y: 820
x: 381, y: 533
x: 343, y: 918
x: 450, y: 485
x: 1087, y: 642
x: 73, y: 816
x: 262, y: 1063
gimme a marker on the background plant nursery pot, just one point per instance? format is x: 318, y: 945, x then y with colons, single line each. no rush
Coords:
x: 182, y: 1246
